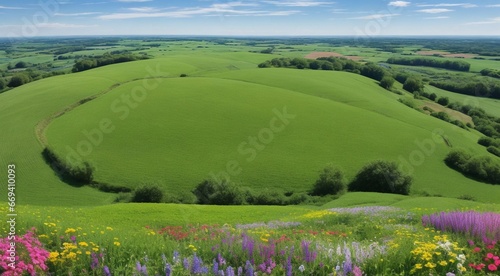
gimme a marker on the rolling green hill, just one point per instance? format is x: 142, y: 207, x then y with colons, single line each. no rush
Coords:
x: 147, y: 124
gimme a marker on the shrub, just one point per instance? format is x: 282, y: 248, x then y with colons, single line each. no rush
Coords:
x: 412, y: 84
x: 81, y: 174
x: 18, y: 80
x: 183, y: 75
x: 444, y: 101
x: 481, y: 168
x: 387, y: 82
x: 219, y: 193
x: 494, y: 150
x: 383, y: 177
x: 330, y: 182
x: 2, y: 84
x: 147, y: 193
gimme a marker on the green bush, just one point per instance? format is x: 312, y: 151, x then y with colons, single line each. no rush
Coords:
x: 18, y: 80
x: 74, y: 175
x: 387, y: 82
x: 147, y: 194
x: 494, y: 150
x: 218, y: 193
x: 412, y: 84
x: 331, y: 181
x: 382, y: 177
x: 481, y: 168
x: 444, y: 101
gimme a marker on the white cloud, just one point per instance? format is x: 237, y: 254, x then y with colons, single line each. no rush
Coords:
x: 144, y: 9
x: 134, y: 1
x: 375, y: 16
x: 493, y: 6
x: 399, y: 3
x: 77, y: 14
x: 434, y: 10
x: 11, y: 8
x: 462, y: 5
x: 62, y: 25
x: 437, y: 17
x: 495, y: 20
x: 297, y: 3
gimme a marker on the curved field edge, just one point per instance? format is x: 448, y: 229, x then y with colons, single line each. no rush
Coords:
x: 25, y: 107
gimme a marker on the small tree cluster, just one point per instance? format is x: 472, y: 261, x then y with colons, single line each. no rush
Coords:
x: 382, y: 177
x: 481, y: 168
x: 147, y: 194
x: 331, y: 181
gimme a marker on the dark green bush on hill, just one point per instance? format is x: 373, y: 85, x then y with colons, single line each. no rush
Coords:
x: 331, y: 181
x: 382, y: 177
x: 481, y: 168
x: 147, y: 194
x: 18, y: 80
x: 2, y: 84
x: 458, y: 65
x: 218, y: 193
x: 494, y: 150
x: 74, y: 175
x: 413, y: 85
x: 387, y: 82
x: 106, y: 59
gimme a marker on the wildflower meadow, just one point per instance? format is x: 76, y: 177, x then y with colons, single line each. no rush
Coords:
x: 373, y: 240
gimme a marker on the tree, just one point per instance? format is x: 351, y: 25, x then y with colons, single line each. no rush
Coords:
x: 372, y: 71
x: 2, y: 84
x: 331, y: 181
x: 21, y: 64
x: 300, y: 63
x: 387, y: 82
x: 382, y: 177
x: 444, y: 101
x: 413, y: 85
x: 18, y: 80
x: 148, y: 193
x: 433, y: 97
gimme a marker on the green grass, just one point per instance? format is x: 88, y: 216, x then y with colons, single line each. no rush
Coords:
x: 491, y: 106
x: 187, y: 128
x: 214, y: 119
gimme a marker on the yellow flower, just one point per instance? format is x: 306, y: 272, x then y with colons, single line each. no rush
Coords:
x: 192, y: 247
x: 116, y: 243
x: 87, y: 252
x: 83, y: 244
x: 443, y: 263
x: 109, y: 228
x: 430, y: 265
x: 71, y: 256
x: 70, y: 230
x: 418, y: 266
x: 53, y: 256
x: 95, y: 249
x: 43, y: 236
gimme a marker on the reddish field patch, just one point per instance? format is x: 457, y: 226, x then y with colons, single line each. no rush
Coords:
x: 315, y: 55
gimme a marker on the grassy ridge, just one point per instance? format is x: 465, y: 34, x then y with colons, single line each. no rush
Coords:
x: 331, y: 108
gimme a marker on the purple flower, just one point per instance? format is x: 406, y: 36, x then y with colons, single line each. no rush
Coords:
x: 95, y: 261
x: 106, y: 271
x: 347, y: 266
x: 73, y: 239
x: 197, y: 264
x: 141, y: 269
x: 168, y: 270
x: 357, y: 271
x: 240, y: 271
x: 248, y: 269
x: 248, y: 245
x: 229, y: 271
x: 185, y: 263
x: 176, y: 257
x: 289, y: 267
x: 221, y: 260
x: 215, y: 268
x: 309, y: 256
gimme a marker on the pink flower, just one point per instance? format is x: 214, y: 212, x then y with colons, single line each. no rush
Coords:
x: 476, y: 250
x: 489, y: 255
x: 492, y: 267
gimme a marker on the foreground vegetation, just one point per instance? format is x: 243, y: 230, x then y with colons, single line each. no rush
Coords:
x: 368, y: 240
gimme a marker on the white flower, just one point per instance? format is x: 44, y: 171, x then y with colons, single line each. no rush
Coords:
x: 461, y: 258
x: 302, y: 268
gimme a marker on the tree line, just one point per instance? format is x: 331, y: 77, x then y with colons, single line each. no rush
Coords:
x: 457, y: 65
x: 491, y: 73
x: 473, y: 88
x: 106, y: 59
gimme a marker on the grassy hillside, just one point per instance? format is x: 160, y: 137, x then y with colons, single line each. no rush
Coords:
x: 188, y: 128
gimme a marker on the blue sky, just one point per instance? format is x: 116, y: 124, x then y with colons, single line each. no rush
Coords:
x: 248, y: 17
